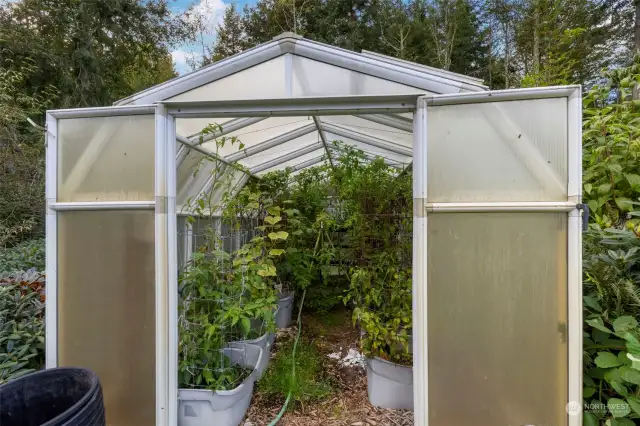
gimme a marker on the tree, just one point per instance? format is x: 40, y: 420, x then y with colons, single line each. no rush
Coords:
x: 89, y: 49
x: 231, y: 36
x: 21, y: 156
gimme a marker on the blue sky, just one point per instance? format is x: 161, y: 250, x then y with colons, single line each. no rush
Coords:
x: 210, y: 13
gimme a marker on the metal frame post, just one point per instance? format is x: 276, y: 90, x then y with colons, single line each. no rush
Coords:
x: 420, y: 259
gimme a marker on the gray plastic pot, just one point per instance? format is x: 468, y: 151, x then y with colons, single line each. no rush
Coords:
x: 389, y: 385
x: 264, y: 342
x: 285, y: 310
x: 199, y: 407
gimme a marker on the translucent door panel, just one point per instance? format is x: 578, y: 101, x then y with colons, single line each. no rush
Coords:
x: 106, y: 305
x: 497, y: 315
x: 498, y: 151
x: 106, y: 158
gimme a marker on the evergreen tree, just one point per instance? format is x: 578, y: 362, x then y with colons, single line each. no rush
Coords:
x: 231, y: 37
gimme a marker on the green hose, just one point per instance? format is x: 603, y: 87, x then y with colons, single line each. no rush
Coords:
x: 293, y: 365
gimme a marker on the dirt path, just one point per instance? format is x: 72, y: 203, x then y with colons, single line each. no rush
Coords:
x: 348, y: 405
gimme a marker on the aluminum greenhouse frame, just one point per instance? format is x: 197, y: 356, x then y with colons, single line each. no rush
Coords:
x: 387, y: 107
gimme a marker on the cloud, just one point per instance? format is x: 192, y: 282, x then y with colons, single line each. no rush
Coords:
x: 205, y: 16
x: 183, y: 59
x: 208, y: 14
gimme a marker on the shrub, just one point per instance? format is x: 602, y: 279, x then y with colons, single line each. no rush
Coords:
x: 21, y: 324
x: 612, y: 336
x: 24, y: 256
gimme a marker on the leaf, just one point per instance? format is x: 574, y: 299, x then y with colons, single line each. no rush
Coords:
x: 272, y: 220
x: 274, y: 210
x: 589, y: 419
x: 624, y: 204
x: 625, y: 422
x: 634, y: 403
x: 624, y: 323
x: 618, y: 407
x: 598, y: 324
x: 630, y: 375
x: 246, y: 325
x: 280, y: 235
x: 593, y: 303
x: 588, y: 392
x: 276, y: 252
x: 604, y: 189
x: 633, y: 179
x: 607, y: 360
x: 619, y: 387
x: 633, y: 346
x: 587, y: 188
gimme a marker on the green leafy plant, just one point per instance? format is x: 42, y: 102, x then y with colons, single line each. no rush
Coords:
x: 611, y: 332
x: 309, y: 384
x: 611, y: 148
x: 21, y: 326
x: 26, y: 255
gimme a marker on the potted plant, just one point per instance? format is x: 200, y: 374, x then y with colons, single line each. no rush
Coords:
x: 382, y: 299
x: 255, y: 266
x: 216, y: 379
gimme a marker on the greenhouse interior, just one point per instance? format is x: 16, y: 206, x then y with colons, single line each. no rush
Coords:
x: 191, y: 223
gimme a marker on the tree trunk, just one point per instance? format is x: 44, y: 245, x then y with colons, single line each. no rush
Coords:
x: 536, y: 40
x: 636, y: 45
x: 506, y: 55
x: 636, y: 33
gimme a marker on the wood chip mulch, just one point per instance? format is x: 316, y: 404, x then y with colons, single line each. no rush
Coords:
x: 348, y: 405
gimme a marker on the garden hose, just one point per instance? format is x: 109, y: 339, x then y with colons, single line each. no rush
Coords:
x: 293, y: 365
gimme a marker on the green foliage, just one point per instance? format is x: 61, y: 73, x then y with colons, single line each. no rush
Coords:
x: 382, y: 298
x: 611, y: 148
x: 310, y: 382
x: 611, y: 332
x: 21, y: 156
x: 92, y: 52
x: 21, y: 325
x: 26, y: 255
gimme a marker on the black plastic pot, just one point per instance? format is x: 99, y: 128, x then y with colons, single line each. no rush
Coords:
x: 55, y: 397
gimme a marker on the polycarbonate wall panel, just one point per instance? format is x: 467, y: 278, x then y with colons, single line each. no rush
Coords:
x: 263, y: 81
x: 315, y: 78
x: 106, y: 158
x: 259, y: 132
x: 298, y: 160
x: 282, y: 149
x: 497, y: 315
x: 106, y: 305
x: 370, y: 149
x: 502, y: 151
x: 194, y: 126
x: 369, y: 127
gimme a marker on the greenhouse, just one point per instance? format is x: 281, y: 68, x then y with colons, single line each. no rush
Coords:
x: 145, y: 195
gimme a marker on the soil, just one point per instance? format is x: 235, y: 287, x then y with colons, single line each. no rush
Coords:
x: 348, y: 405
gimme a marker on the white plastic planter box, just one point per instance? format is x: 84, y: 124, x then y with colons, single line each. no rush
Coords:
x: 264, y: 342
x: 199, y: 407
x: 285, y: 310
x: 389, y: 385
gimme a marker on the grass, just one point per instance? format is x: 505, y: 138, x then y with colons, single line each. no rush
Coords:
x: 310, y: 382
